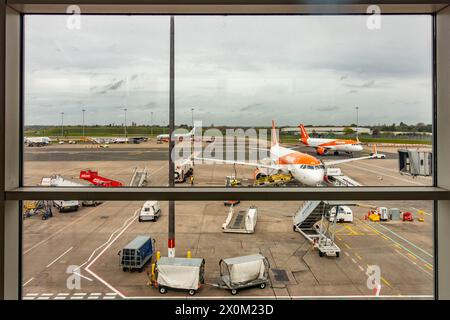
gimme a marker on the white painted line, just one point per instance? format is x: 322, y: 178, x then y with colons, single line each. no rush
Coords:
x: 60, y: 230
x: 59, y: 298
x: 84, y: 277
x: 383, y: 174
x: 76, y: 298
x: 47, y: 294
x: 96, y: 294
x: 414, y: 263
x: 132, y: 219
x: 409, y: 242
x: 360, y: 268
x: 51, y: 263
x: 32, y: 294
x: 354, y: 261
x: 43, y: 298
x: 62, y: 294
x: 346, y: 253
x: 109, y: 297
x: 79, y: 294
x: 111, y: 294
x: 93, y: 297
x: 28, y: 298
x: 31, y: 279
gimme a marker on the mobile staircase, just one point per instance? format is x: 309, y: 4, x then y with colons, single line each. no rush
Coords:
x: 321, y: 235
x: 139, y: 177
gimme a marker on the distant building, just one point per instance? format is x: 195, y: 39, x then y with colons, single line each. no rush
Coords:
x: 323, y: 130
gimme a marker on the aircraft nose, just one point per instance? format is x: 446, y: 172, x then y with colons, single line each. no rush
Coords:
x: 315, y: 178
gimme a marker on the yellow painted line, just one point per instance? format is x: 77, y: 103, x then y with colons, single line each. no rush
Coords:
x: 409, y: 254
x: 429, y: 266
x: 385, y: 282
x: 348, y: 247
x: 358, y: 256
x: 339, y: 238
x: 397, y: 245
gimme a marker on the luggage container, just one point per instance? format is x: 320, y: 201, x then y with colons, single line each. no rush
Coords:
x: 179, y: 273
x: 137, y: 253
x: 394, y: 214
x: 243, y: 272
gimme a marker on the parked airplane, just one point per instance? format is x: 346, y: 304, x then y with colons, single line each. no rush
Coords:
x: 37, y: 141
x: 178, y: 136
x: 323, y: 146
x: 306, y: 169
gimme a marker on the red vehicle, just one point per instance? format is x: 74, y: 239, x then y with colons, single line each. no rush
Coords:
x: 94, y: 178
x: 407, y: 216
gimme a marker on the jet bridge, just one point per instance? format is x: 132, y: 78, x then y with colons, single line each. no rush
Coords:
x: 139, y: 177
x: 321, y: 235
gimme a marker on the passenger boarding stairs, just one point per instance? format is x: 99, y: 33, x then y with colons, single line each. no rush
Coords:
x: 139, y: 177
x: 308, y: 214
x: 321, y: 235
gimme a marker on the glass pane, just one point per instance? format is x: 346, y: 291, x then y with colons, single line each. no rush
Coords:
x: 74, y: 254
x: 95, y: 99
x: 354, y: 90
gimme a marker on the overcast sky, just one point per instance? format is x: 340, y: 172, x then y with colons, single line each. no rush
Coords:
x: 235, y: 70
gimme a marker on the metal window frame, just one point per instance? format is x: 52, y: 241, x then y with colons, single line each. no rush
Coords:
x: 11, y: 119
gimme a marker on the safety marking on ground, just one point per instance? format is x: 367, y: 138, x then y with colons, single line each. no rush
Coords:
x: 399, y: 245
x: 70, y: 296
x: 358, y: 256
x: 59, y: 257
x: 31, y: 279
x: 413, y: 262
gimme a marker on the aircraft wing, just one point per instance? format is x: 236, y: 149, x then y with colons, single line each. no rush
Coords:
x: 251, y: 164
x: 331, y: 163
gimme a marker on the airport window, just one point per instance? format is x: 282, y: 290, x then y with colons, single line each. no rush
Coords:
x: 268, y: 102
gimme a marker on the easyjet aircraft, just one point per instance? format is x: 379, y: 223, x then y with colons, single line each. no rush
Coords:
x: 306, y: 169
x: 323, y: 146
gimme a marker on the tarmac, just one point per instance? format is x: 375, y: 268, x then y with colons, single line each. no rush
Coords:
x: 89, y: 239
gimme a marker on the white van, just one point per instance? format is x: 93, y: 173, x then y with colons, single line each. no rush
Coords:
x: 345, y: 214
x: 66, y: 205
x: 150, y: 211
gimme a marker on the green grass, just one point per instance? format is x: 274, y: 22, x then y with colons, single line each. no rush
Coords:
x: 95, y: 131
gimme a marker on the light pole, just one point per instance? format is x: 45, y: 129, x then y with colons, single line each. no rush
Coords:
x: 62, y: 124
x: 151, y: 124
x: 125, y: 109
x: 357, y: 121
x: 192, y: 110
x: 83, y: 122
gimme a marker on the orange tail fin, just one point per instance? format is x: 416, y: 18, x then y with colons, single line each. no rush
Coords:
x: 303, y: 134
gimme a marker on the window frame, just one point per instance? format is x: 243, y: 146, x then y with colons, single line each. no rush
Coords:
x: 12, y: 117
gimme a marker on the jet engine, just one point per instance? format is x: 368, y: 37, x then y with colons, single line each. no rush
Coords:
x: 321, y: 151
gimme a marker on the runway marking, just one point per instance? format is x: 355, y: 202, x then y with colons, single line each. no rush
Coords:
x: 93, y: 297
x: 47, y: 294
x: 76, y: 298
x: 354, y: 261
x: 32, y: 294
x: 43, y: 298
x: 59, y: 231
x: 427, y: 213
x: 51, y: 263
x: 109, y: 297
x: 28, y: 298
x: 111, y: 294
x: 401, y: 246
x: 360, y: 268
x: 31, y: 279
x: 407, y: 241
x: 62, y: 294
x: 383, y: 174
x: 429, y: 266
x: 386, y: 282
x: 79, y: 294
x: 87, y: 268
x: 358, y: 256
x: 392, y: 170
x: 414, y: 263
x: 60, y: 298
x: 348, y: 247
x: 96, y: 294
x: 346, y: 253
x: 84, y: 277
